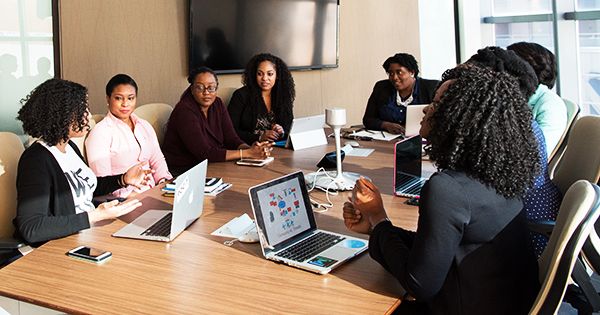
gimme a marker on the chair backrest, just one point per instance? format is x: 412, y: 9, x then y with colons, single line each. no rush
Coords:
x: 11, y: 148
x: 225, y: 94
x: 80, y: 142
x: 157, y: 114
x: 572, y: 115
x: 98, y: 117
x: 579, y: 211
x: 581, y: 159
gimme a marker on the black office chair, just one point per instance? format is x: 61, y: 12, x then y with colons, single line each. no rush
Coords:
x: 578, y: 212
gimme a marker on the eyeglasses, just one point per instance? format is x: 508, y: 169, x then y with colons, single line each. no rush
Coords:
x: 397, y: 73
x: 201, y: 88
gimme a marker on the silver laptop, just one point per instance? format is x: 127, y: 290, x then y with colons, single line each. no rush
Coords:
x: 407, y: 167
x: 288, y: 232
x: 414, y: 115
x: 166, y: 225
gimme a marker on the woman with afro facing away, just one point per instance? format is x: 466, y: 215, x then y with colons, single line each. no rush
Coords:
x: 54, y: 185
x: 262, y: 110
x: 471, y: 253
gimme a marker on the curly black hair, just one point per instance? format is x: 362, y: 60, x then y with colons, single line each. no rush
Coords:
x: 482, y: 126
x: 502, y: 60
x: 541, y: 59
x: 406, y: 60
x: 283, y: 93
x: 53, y: 108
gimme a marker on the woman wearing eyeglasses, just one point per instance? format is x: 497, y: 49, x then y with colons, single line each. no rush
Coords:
x: 122, y: 139
x: 386, y: 108
x: 262, y: 109
x: 200, y: 128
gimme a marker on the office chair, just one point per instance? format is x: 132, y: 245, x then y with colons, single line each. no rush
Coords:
x: 157, y: 114
x: 581, y: 157
x: 578, y: 213
x: 572, y: 115
x: 98, y: 117
x: 225, y: 94
x: 11, y: 149
x: 80, y: 142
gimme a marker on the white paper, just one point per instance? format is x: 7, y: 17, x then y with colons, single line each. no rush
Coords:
x: 218, y: 190
x: 376, y: 135
x: 236, y: 227
x: 351, y: 151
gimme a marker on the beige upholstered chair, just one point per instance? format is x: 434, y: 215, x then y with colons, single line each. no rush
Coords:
x: 98, y: 117
x: 225, y: 94
x: 80, y: 142
x: 581, y: 158
x: 572, y: 115
x: 11, y: 149
x: 157, y: 114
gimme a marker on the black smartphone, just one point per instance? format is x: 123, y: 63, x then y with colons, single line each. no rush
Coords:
x: 89, y: 254
x: 329, y: 161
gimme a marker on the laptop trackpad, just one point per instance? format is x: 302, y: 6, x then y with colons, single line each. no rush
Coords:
x: 147, y: 219
x: 338, y: 253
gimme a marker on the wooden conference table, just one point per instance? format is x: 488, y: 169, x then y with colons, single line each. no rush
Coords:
x: 197, y: 274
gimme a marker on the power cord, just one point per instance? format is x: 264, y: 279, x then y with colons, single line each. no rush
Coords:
x: 319, y: 207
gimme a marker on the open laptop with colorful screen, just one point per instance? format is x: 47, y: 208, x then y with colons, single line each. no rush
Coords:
x: 288, y: 232
x: 407, y: 167
x: 165, y: 225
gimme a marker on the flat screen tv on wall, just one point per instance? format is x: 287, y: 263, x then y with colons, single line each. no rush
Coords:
x: 225, y: 34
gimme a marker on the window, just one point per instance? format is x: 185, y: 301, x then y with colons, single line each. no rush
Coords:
x: 26, y: 54
x: 568, y: 28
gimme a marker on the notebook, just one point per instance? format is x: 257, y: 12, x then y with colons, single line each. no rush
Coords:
x: 288, y: 232
x: 165, y: 225
x: 407, y: 167
x: 414, y: 115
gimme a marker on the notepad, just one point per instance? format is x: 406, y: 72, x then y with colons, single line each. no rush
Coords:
x: 376, y: 135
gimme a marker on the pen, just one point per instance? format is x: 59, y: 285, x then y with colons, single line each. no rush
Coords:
x: 382, y: 134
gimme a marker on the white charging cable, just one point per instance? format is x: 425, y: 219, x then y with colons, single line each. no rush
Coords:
x: 320, y: 207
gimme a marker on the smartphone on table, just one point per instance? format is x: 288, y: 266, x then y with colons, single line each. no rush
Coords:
x: 255, y: 162
x: 89, y: 254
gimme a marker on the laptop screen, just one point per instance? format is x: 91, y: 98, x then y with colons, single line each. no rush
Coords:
x: 281, y: 208
x: 408, y: 158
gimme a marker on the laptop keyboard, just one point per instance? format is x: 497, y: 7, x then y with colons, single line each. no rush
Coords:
x: 310, y: 246
x: 409, y: 185
x: 161, y: 228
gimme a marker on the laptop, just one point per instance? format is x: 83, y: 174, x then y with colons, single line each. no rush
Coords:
x: 288, y: 232
x: 166, y: 225
x: 414, y: 115
x: 307, y: 132
x: 407, y: 167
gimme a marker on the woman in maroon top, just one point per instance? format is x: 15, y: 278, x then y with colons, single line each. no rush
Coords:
x: 200, y: 128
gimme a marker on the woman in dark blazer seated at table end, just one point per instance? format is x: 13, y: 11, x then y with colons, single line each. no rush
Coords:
x: 386, y: 108
x: 471, y: 252
x: 200, y: 128
x: 262, y: 110
x: 54, y: 185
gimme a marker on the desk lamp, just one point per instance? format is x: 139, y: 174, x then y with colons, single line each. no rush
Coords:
x: 336, y: 119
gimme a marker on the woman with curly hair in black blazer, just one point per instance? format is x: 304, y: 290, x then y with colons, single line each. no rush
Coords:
x: 54, y: 185
x: 262, y: 110
x: 471, y: 252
